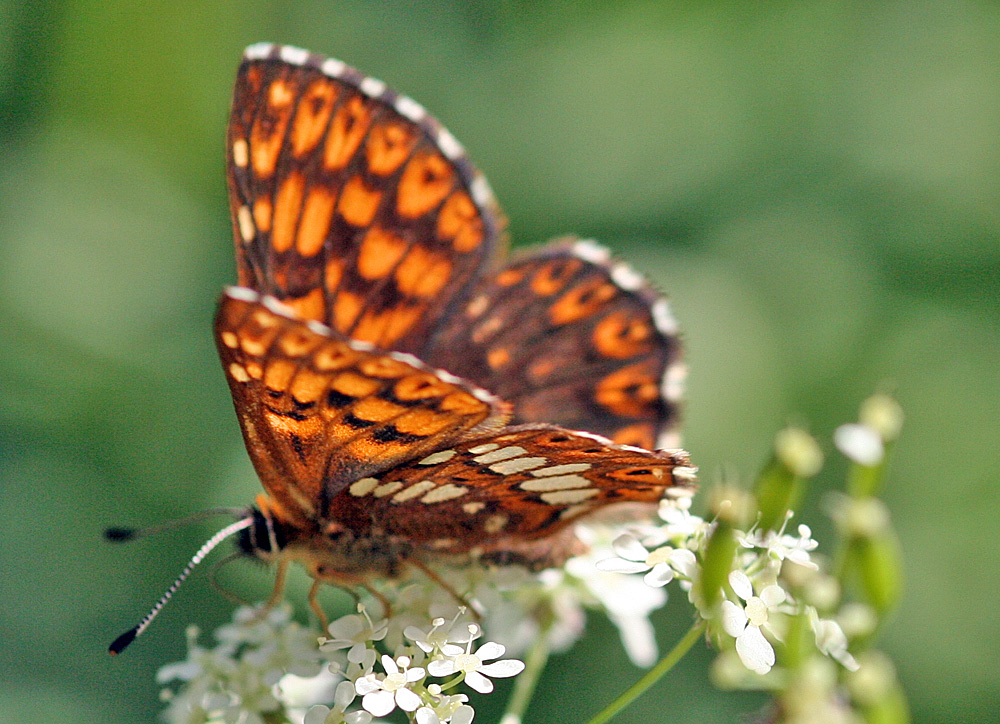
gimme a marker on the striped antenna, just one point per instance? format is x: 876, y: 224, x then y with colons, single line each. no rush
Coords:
x: 118, y: 534
x: 119, y: 644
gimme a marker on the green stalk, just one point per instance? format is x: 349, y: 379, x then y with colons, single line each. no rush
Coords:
x: 525, y: 683
x: 650, y: 677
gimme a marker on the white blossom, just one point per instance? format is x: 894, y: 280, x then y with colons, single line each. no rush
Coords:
x: 381, y: 694
x: 745, y: 622
x: 473, y: 665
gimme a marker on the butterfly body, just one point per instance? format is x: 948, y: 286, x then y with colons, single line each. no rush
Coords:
x: 406, y: 395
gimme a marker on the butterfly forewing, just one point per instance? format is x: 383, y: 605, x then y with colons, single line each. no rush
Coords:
x: 569, y: 337
x: 522, y: 484
x: 319, y: 411
x: 350, y: 204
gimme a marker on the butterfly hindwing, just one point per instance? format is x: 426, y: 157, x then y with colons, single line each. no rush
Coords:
x: 570, y: 337
x: 524, y: 483
x: 350, y: 204
x: 319, y: 411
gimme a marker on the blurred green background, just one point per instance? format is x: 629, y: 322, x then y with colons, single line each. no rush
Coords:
x: 815, y: 184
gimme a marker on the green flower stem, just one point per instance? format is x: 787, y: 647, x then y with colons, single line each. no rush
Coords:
x: 527, y: 680
x: 650, y: 677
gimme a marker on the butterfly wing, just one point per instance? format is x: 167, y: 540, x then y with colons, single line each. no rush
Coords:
x: 570, y: 337
x: 497, y: 492
x: 319, y: 410
x: 350, y: 204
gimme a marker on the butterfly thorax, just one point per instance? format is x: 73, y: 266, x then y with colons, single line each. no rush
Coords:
x: 328, y: 551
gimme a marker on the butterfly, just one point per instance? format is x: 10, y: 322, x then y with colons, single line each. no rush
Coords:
x: 406, y: 394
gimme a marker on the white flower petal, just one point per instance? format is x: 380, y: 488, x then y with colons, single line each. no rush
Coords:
x: 316, y: 715
x: 741, y: 584
x: 773, y: 595
x: 366, y: 685
x: 379, y: 703
x: 490, y: 650
x: 415, y: 674
x: 638, y: 638
x: 660, y: 575
x: 629, y: 548
x: 407, y: 700
x: 344, y: 695
x: 441, y: 667
x: 502, y: 669
x: 358, y: 717
x: 734, y: 618
x: 463, y: 715
x: 389, y: 664
x: 426, y: 715
x: 684, y: 562
x: 620, y: 565
x: 478, y: 682
x: 754, y: 650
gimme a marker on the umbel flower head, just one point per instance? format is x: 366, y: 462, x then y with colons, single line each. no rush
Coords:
x: 417, y: 660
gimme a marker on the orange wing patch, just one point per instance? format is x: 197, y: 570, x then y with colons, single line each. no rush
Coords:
x: 325, y: 412
x: 358, y: 203
x: 287, y: 209
x: 269, y: 129
x: 389, y: 145
x: 313, y: 115
x: 347, y: 130
x: 315, y: 223
x: 460, y: 222
x: 426, y: 180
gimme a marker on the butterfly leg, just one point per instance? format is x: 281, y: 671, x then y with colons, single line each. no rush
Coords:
x: 459, y: 598
x: 222, y: 590
x: 314, y: 604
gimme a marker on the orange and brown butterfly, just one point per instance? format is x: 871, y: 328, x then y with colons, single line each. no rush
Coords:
x: 404, y: 393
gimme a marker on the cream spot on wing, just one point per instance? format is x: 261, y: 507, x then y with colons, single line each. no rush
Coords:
x: 440, y: 543
x: 230, y: 340
x: 495, y: 523
x: 442, y: 456
x: 481, y: 191
x: 663, y: 318
x: 569, y: 497
x: 626, y: 277
x: 445, y: 492
x: 672, y: 385
x: 245, y: 221
x: 561, y: 469
x: 511, y: 451
x: 238, y: 372
x: 409, y: 108
x: 361, y: 487
x: 477, y: 306
x: 333, y: 67
x: 449, y: 145
x: 517, y: 465
x: 413, y: 491
x: 483, y: 448
x: 473, y: 508
x: 590, y: 250
x: 575, y: 510
x: 555, y: 482
x: 293, y: 55
x: 241, y: 153
x: 372, y: 87
x: 387, y: 489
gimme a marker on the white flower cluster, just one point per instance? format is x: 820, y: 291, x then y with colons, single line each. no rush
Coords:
x: 755, y: 611
x: 267, y: 663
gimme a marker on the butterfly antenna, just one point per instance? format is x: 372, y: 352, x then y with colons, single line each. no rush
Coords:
x: 117, y: 534
x: 119, y: 644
